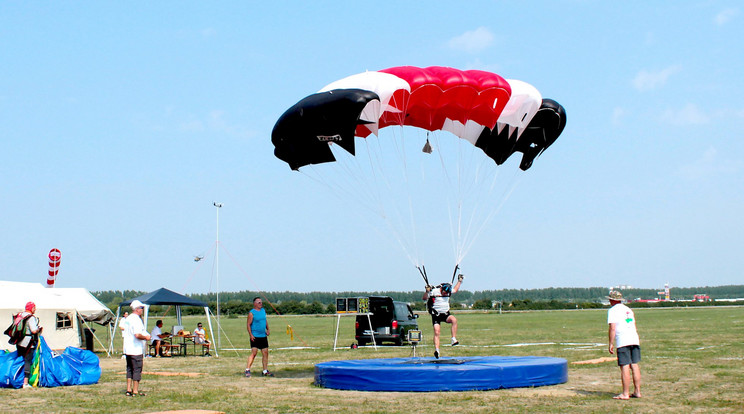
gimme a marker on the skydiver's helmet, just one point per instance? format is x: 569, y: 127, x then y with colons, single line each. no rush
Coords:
x: 445, y: 289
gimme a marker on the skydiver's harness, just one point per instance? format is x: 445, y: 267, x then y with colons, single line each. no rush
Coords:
x: 445, y: 290
x: 18, y: 331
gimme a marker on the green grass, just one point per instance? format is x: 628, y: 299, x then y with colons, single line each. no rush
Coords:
x: 692, y: 361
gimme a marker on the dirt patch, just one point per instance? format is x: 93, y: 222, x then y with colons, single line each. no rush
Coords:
x: 188, y: 412
x: 594, y: 361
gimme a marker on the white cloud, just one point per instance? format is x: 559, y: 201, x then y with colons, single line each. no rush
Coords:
x: 690, y: 114
x: 725, y: 16
x: 472, y: 41
x: 192, y: 126
x: 478, y: 64
x: 617, y: 115
x: 709, y: 164
x: 647, y: 80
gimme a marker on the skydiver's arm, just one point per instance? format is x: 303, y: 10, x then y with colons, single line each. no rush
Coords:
x: 427, y: 290
x: 34, y: 325
x: 456, y: 287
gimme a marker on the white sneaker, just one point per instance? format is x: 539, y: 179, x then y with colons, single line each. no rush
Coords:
x: 27, y: 386
x: 455, y: 342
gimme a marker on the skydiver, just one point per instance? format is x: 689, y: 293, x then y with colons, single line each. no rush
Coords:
x: 437, y: 303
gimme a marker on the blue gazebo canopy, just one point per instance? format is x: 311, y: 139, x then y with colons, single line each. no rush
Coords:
x: 164, y: 296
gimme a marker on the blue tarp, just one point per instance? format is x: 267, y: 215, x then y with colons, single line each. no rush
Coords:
x: 74, y: 366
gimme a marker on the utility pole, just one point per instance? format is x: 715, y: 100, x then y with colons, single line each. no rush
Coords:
x: 217, y: 260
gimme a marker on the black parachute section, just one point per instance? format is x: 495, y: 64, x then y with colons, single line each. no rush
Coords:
x: 544, y: 129
x: 302, y: 134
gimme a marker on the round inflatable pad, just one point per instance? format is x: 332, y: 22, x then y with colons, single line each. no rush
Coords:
x: 445, y: 374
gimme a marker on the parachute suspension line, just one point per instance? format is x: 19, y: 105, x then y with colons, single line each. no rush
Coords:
x: 399, y: 145
x: 450, y: 202
x: 504, y: 198
x: 337, y: 188
x: 393, y: 215
x: 422, y: 271
x: 481, y: 205
x: 348, y: 180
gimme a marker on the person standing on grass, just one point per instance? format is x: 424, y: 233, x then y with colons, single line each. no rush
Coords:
x: 27, y: 346
x: 258, y: 330
x: 123, y: 327
x: 135, y: 337
x: 627, y: 345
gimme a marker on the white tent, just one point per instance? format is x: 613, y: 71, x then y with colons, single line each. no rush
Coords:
x: 62, y: 312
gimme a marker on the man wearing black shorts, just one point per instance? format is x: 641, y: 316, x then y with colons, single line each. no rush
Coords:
x: 437, y: 303
x: 624, y: 341
x: 258, y: 329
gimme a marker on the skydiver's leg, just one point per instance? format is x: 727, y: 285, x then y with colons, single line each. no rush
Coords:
x: 437, y: 331
x: 452, y: 320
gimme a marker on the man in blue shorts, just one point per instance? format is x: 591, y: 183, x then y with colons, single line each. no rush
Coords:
x: 623, y: 334
x: 258, y: 330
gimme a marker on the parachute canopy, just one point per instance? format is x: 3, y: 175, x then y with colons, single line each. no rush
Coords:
x: 74, y: 366
x: 496, y: 115
x: 473, y: 121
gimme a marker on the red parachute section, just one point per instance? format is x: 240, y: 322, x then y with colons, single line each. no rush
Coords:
x: 439, y: 93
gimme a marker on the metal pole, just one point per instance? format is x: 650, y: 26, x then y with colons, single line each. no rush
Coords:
x: 217, y: 259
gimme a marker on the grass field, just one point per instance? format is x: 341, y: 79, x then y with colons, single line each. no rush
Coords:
x: 692, y: 362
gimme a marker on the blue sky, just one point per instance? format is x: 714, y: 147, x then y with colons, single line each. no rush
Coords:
x: 121, y: 123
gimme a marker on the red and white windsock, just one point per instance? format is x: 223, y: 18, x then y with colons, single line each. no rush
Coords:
x: 54, y: 259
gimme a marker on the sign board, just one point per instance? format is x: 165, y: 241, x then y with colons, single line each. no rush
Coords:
x: 341, y: 305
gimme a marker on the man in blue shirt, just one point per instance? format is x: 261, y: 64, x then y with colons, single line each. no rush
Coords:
x: 258, y: 330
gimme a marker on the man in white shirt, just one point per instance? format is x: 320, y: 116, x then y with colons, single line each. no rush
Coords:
x: 437, y: 303
x: 627, y: 344
x: 135, y: 336
x: 156, y: 338
x: 200, y: 337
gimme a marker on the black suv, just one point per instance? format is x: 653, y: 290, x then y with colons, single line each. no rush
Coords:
x: 391, y: 321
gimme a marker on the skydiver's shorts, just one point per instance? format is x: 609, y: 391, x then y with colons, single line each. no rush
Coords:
x: 630, y: 354
x: 437, y: 318
x: 260, y: 343
x: 134, y: 367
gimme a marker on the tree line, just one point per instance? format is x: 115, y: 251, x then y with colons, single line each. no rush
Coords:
x: 240, y: 303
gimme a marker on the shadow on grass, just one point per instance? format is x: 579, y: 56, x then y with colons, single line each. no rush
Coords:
x: 289, y: 373
x: 603, y: 394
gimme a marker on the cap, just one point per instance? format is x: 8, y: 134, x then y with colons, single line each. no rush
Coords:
x: 615, y: 295
x: 136, y: 304
x: 30, y: 306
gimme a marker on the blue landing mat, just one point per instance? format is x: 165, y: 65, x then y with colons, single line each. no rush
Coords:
x: 445, y: 374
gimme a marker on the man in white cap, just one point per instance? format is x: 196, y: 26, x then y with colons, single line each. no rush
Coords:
x: 135, y: 337
x: 627, y: 344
